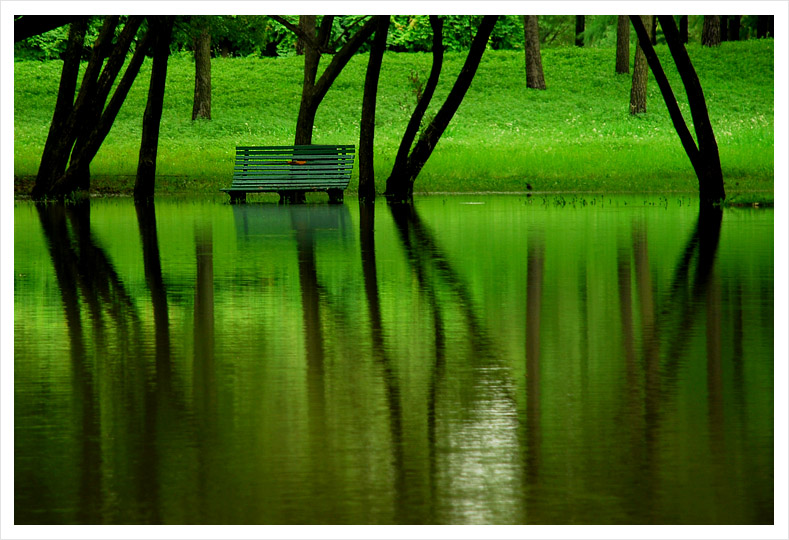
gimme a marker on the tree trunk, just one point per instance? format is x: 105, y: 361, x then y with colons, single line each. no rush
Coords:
x: 314, y: 89
x: 48, y: 169
x: 653, y: 32
x: 638, y: 89
x: 734, y: 28
x: 89, y: 142
x: 367, y: 124
x: 580, y: 23
x: 146, y: 166
x: 534, y: 74
x: 400, y: 184
x: 711, y: 31
x: 764, y: 26
x: 704, y: 158
x: 202, y: 51
x: 622, y: 44
x: 81, y: 127
x: 411, y: 130
x: 683, y: 28
x: 724, y: 27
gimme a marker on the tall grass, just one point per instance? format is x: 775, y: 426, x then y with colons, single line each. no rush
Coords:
x: 576, y: 135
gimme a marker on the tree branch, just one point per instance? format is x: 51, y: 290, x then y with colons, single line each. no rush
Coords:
x: 309, y: 40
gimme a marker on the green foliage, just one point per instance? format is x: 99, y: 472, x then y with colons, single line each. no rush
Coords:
x: 577, y: 135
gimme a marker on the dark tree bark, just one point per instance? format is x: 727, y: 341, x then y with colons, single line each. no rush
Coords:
x: 27, y: 26
x: 201, y: 107
x: 580, y: 23
x: 711, y: 31
x: 400, y: 184
x: 764, y: 26
x: 683, y: 28
x: 83, y: 123
x: 653, y: 31
x: 704, y: 158
x: 534, y: 74
x: 638, y: 89
x: 622, y: 44
x: 146, y: 166
x: 367, y: 124
x: 724, y: 27
x: 50, y: 168
x: 314, y: 89
x: 411, y: 130
x: 734, y: 28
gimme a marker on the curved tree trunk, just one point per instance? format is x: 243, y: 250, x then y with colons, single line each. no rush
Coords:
x: 622, y: 44
x: 534, y: 74
x: 367, y: 124
x: 201, y: 107
x: 638, y: 89
x: 704, y: 158
x: 711, y: 31
x: 146, y: 165
x: 400, y: 184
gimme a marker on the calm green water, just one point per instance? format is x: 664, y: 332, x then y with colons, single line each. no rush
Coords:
x: 471, y: 360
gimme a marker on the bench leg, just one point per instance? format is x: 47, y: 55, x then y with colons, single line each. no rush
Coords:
x: 336, y: 196
x: 292, y: 197
x: 238, y: 198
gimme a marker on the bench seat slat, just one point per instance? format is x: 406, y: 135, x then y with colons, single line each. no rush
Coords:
x: 271, y: 168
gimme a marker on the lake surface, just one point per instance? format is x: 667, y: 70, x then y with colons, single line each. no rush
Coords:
x: 473, y: 359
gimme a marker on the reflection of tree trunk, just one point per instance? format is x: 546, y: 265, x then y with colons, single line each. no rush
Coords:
x: 203, y: 366
x: 534, y: 279
x: 55, y: 228
x: 393, y: 397
x: 714, y: 368
x: 626, y: 316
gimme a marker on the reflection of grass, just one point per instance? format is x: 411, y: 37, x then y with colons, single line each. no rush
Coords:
x: 575, y: 136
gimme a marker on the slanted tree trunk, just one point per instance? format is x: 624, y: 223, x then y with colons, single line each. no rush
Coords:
x: 146, y: 165
x: 412, y: 129
x: 734, y: 28
x: 580, y: 23
x: 400, y: 184
x: 52, y: 165
x: 201, y: 107
x: 711, y: 31
x: 704, y: 158
x: 84, y: 122
x: 638, y: 88
x: 367, y: 124
x: 314, y: 89
x: 622, y: 44
x: 534, y: 74
x: 683, y: 28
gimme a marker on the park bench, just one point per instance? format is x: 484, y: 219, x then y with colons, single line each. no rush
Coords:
x: 291, y: 171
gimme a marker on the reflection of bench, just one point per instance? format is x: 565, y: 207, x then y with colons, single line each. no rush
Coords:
x: 291, y: 170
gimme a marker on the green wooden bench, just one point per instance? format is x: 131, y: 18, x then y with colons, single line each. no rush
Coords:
x: 291, y: 171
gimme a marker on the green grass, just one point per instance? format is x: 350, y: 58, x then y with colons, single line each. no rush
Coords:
x: 575, y: 136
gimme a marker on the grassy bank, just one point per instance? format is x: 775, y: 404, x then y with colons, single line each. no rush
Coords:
x: 575, y: 136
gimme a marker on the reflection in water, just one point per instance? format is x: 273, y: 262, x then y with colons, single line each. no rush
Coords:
x: 292, y: 385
